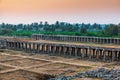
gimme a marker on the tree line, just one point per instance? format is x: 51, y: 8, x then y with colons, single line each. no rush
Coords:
x: 61, y: 28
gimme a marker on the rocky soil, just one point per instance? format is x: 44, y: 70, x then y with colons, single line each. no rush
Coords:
x: 100, y: 73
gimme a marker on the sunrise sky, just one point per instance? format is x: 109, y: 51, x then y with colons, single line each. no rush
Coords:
x: 73, y: 11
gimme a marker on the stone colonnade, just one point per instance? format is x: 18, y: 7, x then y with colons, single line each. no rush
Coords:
x: 101, y: 40
x: 2, y: 42
x: 83, y: 52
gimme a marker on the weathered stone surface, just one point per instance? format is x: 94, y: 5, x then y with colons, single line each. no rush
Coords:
x: 105, y: 74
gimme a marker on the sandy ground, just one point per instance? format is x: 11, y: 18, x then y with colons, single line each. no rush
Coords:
x: 26, y: 66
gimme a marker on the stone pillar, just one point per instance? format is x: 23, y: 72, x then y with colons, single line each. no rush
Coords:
x: 33, y: 49
x: 38, y: 47
x: 107, y: 40
x: 19, y: 46
x: 97, y: 54
x: 64, y: 50
x: 103, y: 40
x: 57, y: 49
x: 87, y: 39
x: 100, y: 40
x: 63, y: 38
x: 117, y: 41
x: 10, y: 44
x: 96, y: 40
x: 54, y: 49
x: 77, y: 39
x: 13, y: 44
x: 7, y: 45
x: 80, y: 52
x: 110, y: 55
x: 94, y: 53
x: 110, y: 41
x: 82, y: 39
x: 25, y: 46
x: 101, y: 55
x: 114, y: 41
x: 104, y: 55
x: 74, y: 38
x: 60, y: 48
x: 70, y: 51
x: 83, y: 53
x: 43, y: 48
x: 76, y: 50
x: 113, y: 55
x: 30, y: 47
x: 86, y: 52
x: 71, y: 38
x: 93, y: 40
x: 118, y: 55
x: 16, y: 45
x: 36, y: 37
x: 48, y: 49
x: 90, y: 54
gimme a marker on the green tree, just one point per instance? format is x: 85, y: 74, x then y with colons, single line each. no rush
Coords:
x: 112, y: 30
x: 83, y: 30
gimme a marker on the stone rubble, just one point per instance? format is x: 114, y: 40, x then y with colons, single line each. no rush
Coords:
x: 103, y: 73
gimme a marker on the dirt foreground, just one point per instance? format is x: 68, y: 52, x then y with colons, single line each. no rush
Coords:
x: 18, y: 65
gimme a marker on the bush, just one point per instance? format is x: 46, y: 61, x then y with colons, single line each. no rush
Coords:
x: 6, y: 32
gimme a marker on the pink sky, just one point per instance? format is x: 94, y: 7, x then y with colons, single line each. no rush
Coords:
x: 88, y: 11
